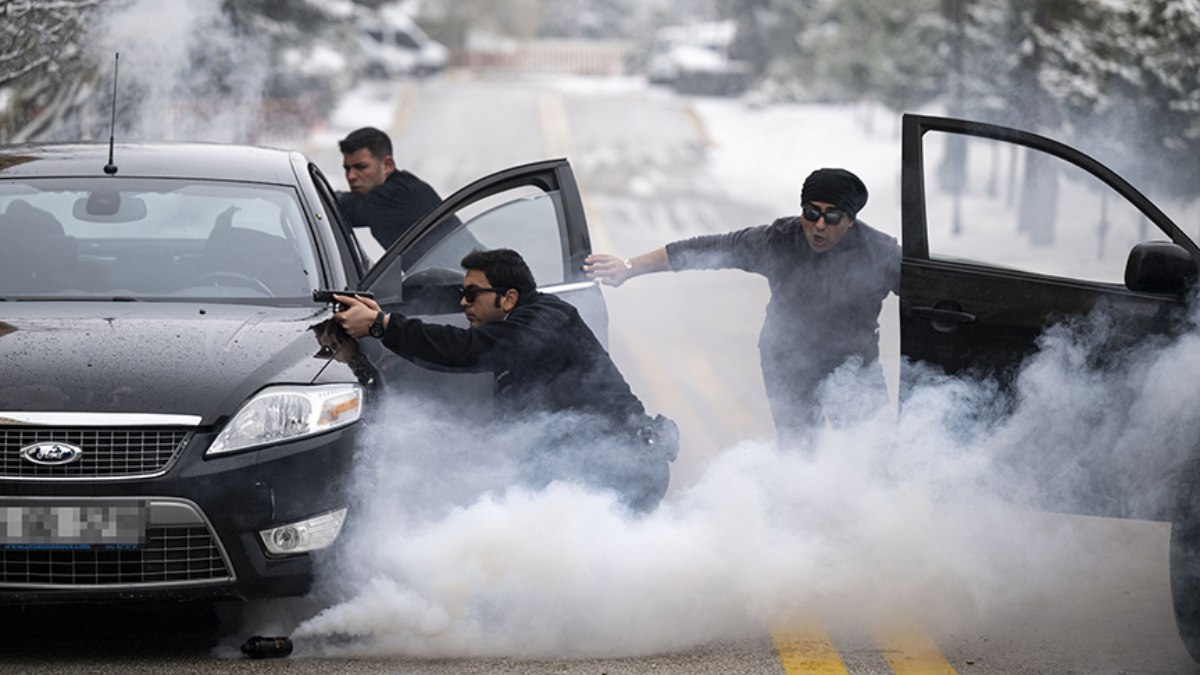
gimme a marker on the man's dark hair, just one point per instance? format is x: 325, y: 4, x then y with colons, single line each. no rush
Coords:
x: 370, y: 138
x: 503, y: 267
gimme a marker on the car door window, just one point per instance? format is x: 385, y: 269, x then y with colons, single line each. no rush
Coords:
x: 980, y: 283
x: 1016, y: 207
x: 525, y: 219
x: 534, y: 209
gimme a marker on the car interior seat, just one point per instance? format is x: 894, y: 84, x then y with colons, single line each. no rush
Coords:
x: 270, y: 259
x: 35, y: 254
x: 147, y: 266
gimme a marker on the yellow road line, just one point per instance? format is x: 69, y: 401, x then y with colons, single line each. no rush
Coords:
x: 706, y: 433
x: 667, y: 393
x: 556, y: 127
x: 910, y: 651
x: 806, y: 648
x: 408, y: 97
x: 803, y: 647
x: 556, y: 132
x: 698, y: 123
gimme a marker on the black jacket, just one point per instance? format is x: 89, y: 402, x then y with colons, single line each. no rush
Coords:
x: 824, y: 307
x: 392, y: 208
x: 544, y: 357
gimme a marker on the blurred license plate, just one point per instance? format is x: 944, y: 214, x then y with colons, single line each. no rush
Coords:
x: 73, y: 526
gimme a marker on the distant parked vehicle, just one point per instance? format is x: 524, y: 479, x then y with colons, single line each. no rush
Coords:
x: 694, y: 59
x: 392, y: 44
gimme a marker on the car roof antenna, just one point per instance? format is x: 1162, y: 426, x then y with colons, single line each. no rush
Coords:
x: 111, y: 168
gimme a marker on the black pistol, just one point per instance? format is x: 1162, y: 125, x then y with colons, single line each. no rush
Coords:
x: 326, y: 296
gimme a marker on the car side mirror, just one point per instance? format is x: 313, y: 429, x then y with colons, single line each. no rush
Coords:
x: 1159, y: 267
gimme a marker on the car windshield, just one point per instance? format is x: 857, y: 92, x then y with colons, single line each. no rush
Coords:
x: 164, y: 239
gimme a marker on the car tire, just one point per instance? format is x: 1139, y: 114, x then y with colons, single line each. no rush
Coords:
x: 1185, y: 559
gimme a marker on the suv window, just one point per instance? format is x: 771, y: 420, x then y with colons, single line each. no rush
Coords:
x: 1011, y: 206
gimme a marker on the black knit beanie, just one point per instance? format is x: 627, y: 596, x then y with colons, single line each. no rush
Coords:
x: 835, y: 186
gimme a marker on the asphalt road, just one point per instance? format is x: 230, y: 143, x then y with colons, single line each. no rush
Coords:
x: 968, y: 591
x: 1109, y: 614
x: 1083, y: 595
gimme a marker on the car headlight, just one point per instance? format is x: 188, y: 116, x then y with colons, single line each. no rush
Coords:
x: 285, y: 413
x: 303, y: 536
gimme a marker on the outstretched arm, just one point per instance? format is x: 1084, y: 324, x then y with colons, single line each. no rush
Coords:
x: 427, y: 343
x: 614, y: 271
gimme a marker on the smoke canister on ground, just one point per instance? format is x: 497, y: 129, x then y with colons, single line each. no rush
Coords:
x: 259, y: 647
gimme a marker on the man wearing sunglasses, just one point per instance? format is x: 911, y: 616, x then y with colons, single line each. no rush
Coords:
x: 550, y: 371
x: 828, y: 273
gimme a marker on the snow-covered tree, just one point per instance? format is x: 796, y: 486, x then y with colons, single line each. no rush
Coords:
x: 184, y: 68
x: 1130, y: 82
x: 840, y: 50
x: 44, y: 65
x: 33, y: 34
x: 1119, y: 79
x: 594, y: 19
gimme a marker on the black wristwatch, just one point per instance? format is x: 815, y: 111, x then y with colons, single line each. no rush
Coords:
x: 376, y: 330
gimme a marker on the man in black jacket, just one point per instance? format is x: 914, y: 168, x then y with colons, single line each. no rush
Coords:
x: 550, y: 371
x: 386, y: 199
x: 828, y: 273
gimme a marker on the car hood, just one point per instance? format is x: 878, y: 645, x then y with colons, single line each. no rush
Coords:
x: 152, y: 357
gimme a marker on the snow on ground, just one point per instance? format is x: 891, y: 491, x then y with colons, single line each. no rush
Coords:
x: 369, y: 104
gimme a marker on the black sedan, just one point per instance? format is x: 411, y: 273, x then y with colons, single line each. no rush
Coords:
x: 178, y: 416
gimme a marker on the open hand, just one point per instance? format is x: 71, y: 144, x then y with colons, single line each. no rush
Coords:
x: 607, y: 269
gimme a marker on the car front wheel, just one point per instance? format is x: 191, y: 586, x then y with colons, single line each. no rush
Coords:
x: 1185, y: 559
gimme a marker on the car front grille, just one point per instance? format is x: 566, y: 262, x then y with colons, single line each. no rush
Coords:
x: 108, y: 452
x: 171, y: 555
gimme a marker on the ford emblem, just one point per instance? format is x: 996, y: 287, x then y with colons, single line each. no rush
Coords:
x: 51, y: 453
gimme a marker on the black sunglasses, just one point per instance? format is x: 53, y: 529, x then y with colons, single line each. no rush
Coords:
x: 471, y: 292
x: 812, y: 213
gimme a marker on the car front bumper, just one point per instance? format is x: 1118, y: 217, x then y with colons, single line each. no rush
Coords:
x: 202, y: 520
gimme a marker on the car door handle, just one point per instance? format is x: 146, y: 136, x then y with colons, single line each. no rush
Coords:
x: 944, y: 319
x: 938, y: 314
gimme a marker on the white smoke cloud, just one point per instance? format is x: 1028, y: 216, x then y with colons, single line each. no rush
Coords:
x: 922, y: 514
x: 185, y: 74
x: 925, y: 514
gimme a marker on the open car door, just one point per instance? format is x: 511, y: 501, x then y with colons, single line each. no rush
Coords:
x: 534, y: 209
x: 1006, y: 233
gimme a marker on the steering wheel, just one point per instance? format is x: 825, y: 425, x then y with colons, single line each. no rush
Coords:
x: 234, y: 279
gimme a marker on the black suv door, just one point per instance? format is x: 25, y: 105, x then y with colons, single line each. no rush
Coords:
x: 1006, y: 233
x: 534, y: 209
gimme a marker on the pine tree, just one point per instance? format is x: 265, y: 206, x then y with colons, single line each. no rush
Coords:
x: 1139, y: 92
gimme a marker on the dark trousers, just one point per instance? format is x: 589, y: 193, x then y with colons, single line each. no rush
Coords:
x: 614, y: 459
x: 843, y: 398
